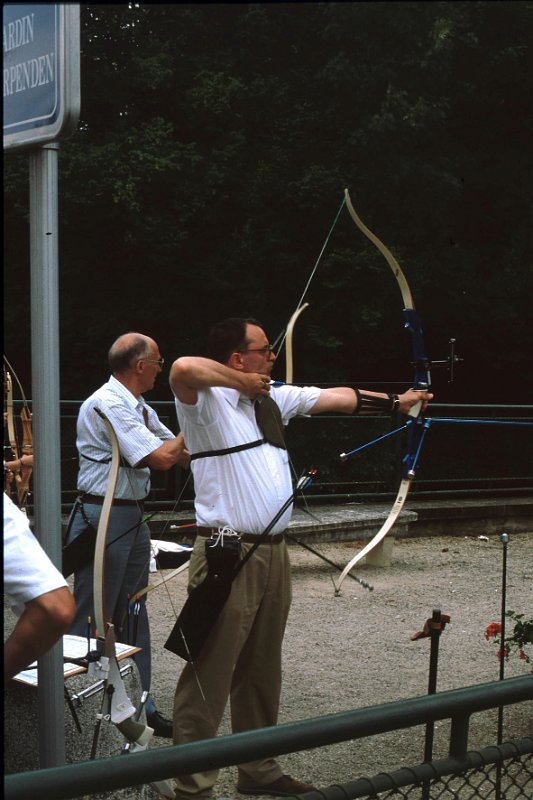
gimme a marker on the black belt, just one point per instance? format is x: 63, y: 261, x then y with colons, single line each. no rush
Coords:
x: 273, y: 538
x: 118, y: 501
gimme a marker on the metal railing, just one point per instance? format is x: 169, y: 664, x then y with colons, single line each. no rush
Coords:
x: 457, y: 460
x: 513, y: 760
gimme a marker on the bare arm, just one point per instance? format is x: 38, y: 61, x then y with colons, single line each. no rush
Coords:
x: 343, y: 400
x: 172, y: 451
x: 19, y: 463
x: 340, y: 399
x: 44, y: 620
x: 190, y: 374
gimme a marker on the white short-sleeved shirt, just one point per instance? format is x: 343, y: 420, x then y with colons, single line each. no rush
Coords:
x: 246, y: 489
x: 136, y: 440
x: 28, y: 572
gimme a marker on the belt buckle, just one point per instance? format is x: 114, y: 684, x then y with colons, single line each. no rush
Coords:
x: 222, y: 549
x: 223, y: 536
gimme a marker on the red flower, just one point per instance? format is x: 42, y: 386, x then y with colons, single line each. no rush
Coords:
x: 492, y: 630
x: 518, y: 641
x: 505, y: 651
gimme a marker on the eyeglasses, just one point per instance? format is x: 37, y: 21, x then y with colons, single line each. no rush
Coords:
x: 269, y: 348
x: 159, y: 361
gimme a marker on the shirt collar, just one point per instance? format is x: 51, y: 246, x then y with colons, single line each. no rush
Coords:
x: 233, y: 396
x: 118, y: 388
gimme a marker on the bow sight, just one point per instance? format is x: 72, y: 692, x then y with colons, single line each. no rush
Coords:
x: 448, y: 362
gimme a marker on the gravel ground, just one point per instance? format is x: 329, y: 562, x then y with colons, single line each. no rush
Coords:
x: 355, y: 650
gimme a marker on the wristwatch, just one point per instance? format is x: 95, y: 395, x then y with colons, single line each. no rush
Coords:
x: 395, y: 403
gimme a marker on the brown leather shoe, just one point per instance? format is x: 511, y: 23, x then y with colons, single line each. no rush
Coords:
x: 282, y: 787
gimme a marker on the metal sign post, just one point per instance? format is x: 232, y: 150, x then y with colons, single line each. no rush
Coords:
x: 41, y: 106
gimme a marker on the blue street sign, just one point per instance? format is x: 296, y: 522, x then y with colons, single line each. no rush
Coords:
x: 41, y: 72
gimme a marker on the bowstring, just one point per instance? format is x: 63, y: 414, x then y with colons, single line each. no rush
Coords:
x: 282, y: 336
x: 24, y: 400
x: 163, y: 582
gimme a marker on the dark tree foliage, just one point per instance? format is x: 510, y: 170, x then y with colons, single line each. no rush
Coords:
x: 214, y: 145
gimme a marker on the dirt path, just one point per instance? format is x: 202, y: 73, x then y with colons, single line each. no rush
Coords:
x: 352, y: 651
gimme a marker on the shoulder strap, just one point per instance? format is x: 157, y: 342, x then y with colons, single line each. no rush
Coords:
x: 228, y: 450
x: 96, y: 460
x: 125, y: 463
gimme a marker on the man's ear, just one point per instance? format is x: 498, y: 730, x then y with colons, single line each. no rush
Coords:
x: 235, y: 361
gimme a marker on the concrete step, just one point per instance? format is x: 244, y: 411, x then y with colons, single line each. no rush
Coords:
x: 360, y: 521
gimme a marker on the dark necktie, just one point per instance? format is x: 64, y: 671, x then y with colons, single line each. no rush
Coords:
x: 145, y: 416
x: 268, y: 418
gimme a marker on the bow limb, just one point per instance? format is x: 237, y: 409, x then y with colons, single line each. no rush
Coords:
x: 122, y: 711
x: 22, y: 478
x: 9, y: 423
x: 380, y: 535
x: 101, y: 534
x: 412, y: 322
x: 10, y: 420
x: 384, y: 250
x: 288, y: 343
x: 27, y: 450
x: 161, y: 582
x: 421, y: 382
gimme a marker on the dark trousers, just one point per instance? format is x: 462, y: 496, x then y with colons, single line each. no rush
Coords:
x: 126, y: 571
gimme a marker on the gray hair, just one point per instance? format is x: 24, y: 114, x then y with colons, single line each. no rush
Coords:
x: 128, y: 348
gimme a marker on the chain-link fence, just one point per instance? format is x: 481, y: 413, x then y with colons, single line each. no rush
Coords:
x: 503, y: 772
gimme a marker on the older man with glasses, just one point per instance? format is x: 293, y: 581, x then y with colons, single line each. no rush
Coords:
x: 145, y: 444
